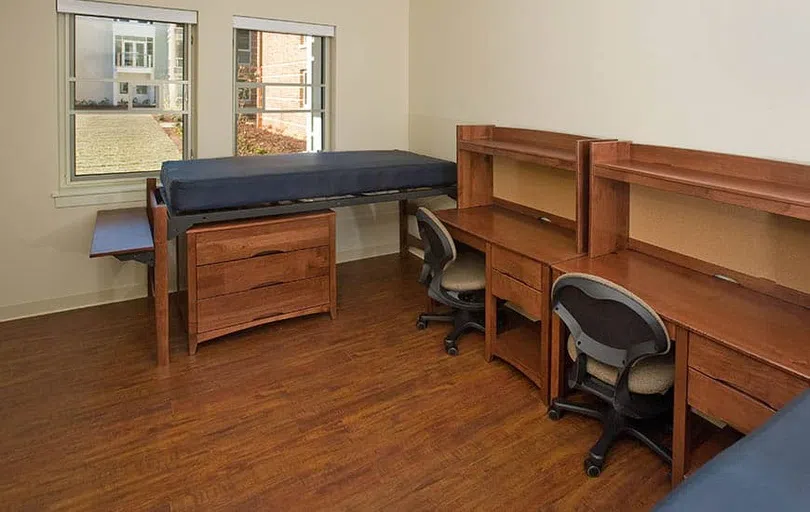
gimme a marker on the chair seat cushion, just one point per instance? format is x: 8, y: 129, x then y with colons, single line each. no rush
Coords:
x: 648, y: 377
x: 467, y: 273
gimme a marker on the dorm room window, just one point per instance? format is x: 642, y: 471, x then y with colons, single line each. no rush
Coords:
x: 126, y: 89
x: 281, y: 87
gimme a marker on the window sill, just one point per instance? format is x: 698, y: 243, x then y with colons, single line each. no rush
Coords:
x: 95, y: 194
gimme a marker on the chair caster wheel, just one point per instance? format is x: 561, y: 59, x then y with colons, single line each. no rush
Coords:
x: 592, y: 468
x: 450, y: 347
x: 554, y: 414
x: 421, y: 324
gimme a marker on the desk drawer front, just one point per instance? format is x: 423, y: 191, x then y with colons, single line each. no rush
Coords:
x: 262, y: 303
x: 519, y: 267
x: 725, y: 403
x: 528, y: 298
x: 766, y: 383
x: 261, y: 272
x: 261, y: 239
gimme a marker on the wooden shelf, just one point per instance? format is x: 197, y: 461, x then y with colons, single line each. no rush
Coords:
x: 790, y: 200
x: 121, y: 232
x: 541, y: 155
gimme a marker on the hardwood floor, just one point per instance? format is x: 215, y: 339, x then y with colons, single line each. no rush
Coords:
x: 361, y: 413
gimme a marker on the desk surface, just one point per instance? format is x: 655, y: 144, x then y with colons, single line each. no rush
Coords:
x: 765, y: 328
x: 520, y: 233
x: 123, y: 231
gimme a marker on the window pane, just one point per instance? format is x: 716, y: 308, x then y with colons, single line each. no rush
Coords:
x: 128, y: 49
x: 122, y: 143
x: 261, y: 134
x: 282, y: 56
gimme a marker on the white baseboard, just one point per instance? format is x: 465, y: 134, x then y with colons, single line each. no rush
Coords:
x: 366, y: 252
x: 84, y: 300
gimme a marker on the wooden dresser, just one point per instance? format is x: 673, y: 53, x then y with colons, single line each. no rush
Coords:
x: 248, y: 273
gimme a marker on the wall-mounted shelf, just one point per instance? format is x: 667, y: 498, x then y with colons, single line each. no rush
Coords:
x: 533, y: 153
x: 776, y: 187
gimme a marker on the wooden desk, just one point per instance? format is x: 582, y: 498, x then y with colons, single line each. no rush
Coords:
x: 740, y: 354
x: 519, y: 251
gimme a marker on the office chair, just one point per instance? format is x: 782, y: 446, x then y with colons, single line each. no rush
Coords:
x: 454, y: 279
x: 621, y: 353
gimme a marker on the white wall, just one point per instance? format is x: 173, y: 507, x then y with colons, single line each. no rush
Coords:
x: 43, y: 250
x: 723, y: 75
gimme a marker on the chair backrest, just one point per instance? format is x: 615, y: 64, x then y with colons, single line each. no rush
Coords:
x: 440, y: 250
x: 608, y: 322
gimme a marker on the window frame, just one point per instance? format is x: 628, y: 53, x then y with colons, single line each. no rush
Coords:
x: 73, y: 190
x: 309, y: 32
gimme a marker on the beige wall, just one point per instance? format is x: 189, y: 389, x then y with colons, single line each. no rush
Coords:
x: 726, y: 75
x: 44, y: 249
x: 720, y: 75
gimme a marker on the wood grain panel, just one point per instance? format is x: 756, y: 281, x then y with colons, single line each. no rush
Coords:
x: 474, y: 169
x: 261, y: 272
x: 533, y: 238
x: 230, y: 241
x: 519, y: 267
x: 761, y: 381
x: 725, y: 403
x: 262, y: 304
x: 512, y: 290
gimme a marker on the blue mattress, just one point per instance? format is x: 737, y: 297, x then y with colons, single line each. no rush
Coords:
x: 240, y: 182
x: 766, y: 470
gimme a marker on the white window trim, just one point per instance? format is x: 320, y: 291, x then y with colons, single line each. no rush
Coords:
x: 127, y: 189
x: 137, y: 12
x: 283, y: 27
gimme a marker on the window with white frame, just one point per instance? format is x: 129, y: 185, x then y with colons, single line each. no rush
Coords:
x: 281, y: 88
x: 126, y: 73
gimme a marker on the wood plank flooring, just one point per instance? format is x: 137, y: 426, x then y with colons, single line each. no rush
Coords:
x: 362, y: 413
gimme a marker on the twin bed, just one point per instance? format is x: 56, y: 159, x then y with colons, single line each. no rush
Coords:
x: 197, y: 192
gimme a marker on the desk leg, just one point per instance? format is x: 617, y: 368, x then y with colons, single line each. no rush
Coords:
x: 680, y: 419
x: 556, y: 352
x: 545, y: 336
x: 491, y: 311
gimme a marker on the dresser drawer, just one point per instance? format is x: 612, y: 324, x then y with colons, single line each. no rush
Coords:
x: 725, y: 403
x: 261, y: 238
x: 529, y: 299
x: 262, y: 303
x: 261, y: 272
x: 519, y: 267
x: 763, y: 382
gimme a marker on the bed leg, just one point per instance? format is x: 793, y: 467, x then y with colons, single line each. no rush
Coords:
x: 159, y: 218
x: 403, y: 228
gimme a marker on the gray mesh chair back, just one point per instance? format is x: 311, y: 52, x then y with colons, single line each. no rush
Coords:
x: 608, y: 322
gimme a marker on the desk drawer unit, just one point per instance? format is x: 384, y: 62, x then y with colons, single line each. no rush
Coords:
x: 508, y: 288
x: 518, y: 267
x: 248, y: 273
x: 763, y: 382
x: 718, y: 400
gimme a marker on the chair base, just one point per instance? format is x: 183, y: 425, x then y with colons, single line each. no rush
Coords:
x: 463, y: 322
x: 614, y: 425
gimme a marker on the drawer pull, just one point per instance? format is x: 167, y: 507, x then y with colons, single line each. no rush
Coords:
x: 268, y: 315
x: 266, y: 253
x: 266, y: 285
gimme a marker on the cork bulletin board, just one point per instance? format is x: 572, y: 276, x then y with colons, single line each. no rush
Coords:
x: 757, y: 243
x: 542, y: 188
